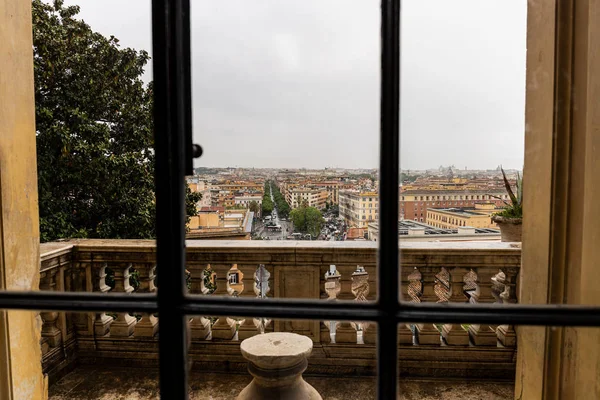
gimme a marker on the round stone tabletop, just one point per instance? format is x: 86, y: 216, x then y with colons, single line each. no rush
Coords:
x: 276, y: 350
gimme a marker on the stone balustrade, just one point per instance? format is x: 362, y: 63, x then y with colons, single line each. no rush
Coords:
x: 329, y: 271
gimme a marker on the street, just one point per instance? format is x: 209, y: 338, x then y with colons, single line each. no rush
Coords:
x: 286, y: 226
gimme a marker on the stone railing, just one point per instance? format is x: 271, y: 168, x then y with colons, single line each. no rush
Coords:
x: 330, y: 271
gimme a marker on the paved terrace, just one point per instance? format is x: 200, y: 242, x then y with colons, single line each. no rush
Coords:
x: 92, y: 383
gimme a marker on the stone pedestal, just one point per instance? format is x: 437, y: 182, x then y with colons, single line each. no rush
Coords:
x: 455, y: 335
x: 507, y: 335
x: 276, y: 361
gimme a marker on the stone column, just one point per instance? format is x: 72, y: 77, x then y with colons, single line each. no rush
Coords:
x: 412, y: 290
x: 102, y: 321
x: 252, y: 326
x: 506, y: 333
x: 147, y: 326
x: 224, y: 328
x: 455, y: 334
x: 202, y: 282
x: 481, y: 285
x: 360, y: 290
x: 332, y: 289
x: 124, y: 325
x: 434, y: 289
x: 276, y: 361
x: 50, y: 332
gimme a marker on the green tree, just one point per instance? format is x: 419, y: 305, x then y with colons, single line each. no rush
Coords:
x: 94, y: 130
x: 307, y: 220
x: 298, y: 217
x: 254, y: 207
x: 314, y: 221
x: 267, y: 203
x: 191, y: 203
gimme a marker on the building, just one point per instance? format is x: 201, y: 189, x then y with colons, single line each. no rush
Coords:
x: 222, y: 198
x: 414, y: 203
x: 332, y: 188
x: 358, y: 209
x: 201, y: 187
x: 297, y: 196
x: 450, y: 218
x: 413, y: 231
x: 244, y: 200
x: 218, y: 223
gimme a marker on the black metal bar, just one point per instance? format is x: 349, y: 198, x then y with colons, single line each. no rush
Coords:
x: 187, y: 86
x: 387, y: 271
x: 170, y: 124
x: 539, y: 315
x: 78, y: 301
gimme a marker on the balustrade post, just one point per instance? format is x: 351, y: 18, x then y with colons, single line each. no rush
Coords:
x: 260, y: 283
x: 360, y: 290
x: 333, y: 287
x: 147, y: 326
x: 412, y: 290
x: 480, y: 284
x: 428, y: 334
x: 506, y: 333
x: 50, y: 332
x: 484, y: 285
x: 205, y: 283
x: 455, y: 334
x: 79, y: 283
x: 224, y: 328
x: 124, y: 325
x: 345, y: 332
x: 102, y: 321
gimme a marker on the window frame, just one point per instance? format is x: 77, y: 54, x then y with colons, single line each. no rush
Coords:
x: 172, y: 118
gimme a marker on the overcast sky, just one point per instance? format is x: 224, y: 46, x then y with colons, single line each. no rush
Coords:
x: 295, y: 83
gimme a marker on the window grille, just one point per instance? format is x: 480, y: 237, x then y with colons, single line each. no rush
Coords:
x: 174, y: 153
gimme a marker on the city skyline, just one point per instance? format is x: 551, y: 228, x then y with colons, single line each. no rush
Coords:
x: 318, y: 168
x: 297, y: 83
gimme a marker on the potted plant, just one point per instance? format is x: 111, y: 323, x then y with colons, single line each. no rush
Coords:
x: 510, y: 220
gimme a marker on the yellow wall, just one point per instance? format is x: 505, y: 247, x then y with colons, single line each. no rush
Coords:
x: 20, y: 331
x: 208, y: 220
x: 483, y: 220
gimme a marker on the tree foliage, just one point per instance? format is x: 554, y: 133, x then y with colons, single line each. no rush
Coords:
x: 283, y: 208
x: 267, y: 203
x: 191, y: 204
x: 94, y: 130
x: 307, y: 220
x: 254, y: 207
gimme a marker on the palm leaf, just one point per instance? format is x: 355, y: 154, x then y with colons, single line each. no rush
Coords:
x: 519, y: 189
x: 509, y: 189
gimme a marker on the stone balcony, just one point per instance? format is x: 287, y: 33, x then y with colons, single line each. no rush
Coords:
x: 431, y: 272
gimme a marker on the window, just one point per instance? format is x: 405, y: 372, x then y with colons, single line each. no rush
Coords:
x: 171, y: 48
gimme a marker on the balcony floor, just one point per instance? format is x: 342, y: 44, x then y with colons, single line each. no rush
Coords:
x: 108, y: 383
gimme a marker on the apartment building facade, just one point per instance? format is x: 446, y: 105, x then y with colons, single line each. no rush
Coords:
x: 358, y: 208
x: 414, y: 203
x: 478, y: 216
x: 312, y: 197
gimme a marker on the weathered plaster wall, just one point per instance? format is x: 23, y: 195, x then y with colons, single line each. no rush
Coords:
x: 19, y: 226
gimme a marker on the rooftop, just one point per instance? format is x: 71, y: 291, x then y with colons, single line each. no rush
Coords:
x: 461, y: 211
x: 404, y: 226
